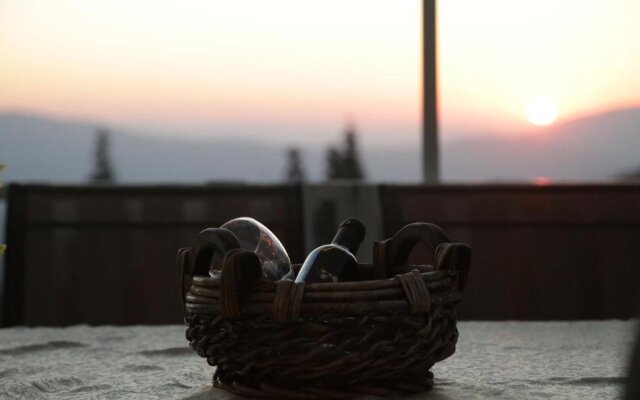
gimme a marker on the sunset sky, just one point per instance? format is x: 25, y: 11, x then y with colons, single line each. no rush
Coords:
x: 300, y: 68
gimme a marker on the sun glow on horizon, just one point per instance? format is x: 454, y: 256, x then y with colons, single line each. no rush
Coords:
x: 542, y: 111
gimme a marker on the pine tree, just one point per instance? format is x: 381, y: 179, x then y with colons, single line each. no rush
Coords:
x: 344, y: 163
x: 295, y: 170
x: 103, y: 170
x: 352, y: 167
x: 335, y: 168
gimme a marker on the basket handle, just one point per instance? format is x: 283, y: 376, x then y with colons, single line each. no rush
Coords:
x: 241, y: 275
x: 196, y: 260
x: 183, y: 254
x: 395, y: 251
x: 454, y: 257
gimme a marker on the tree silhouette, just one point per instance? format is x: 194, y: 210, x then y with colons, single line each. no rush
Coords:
x: 352, y: 166
x: 335, y: 168
x: 344, y: 163
x: 629, y: 175
x: 295, y: 172
x: 103, y: 170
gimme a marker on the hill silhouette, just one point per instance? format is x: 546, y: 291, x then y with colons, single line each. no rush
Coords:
x: 40, y: 149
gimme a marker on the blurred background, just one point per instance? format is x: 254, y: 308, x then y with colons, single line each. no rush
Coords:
x: 123, y: 120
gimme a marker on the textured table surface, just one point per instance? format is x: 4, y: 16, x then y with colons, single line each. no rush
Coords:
x: 494, y: 360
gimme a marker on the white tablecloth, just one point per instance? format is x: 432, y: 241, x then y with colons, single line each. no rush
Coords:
x: 494, y: 360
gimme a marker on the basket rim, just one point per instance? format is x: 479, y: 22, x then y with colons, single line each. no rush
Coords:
x: 427, y: 271
x: 411, y: 293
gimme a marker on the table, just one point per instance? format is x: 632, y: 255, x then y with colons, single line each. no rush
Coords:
x: 494, y: 360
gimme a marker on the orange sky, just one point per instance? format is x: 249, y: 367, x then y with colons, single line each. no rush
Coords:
x: 185, y: 65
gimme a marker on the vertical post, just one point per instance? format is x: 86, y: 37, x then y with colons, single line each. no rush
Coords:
x: 430, y: 156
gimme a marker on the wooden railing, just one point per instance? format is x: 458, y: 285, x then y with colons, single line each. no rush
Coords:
x: 98, y: 255
x: 539, y: 252
x: 105, y: 255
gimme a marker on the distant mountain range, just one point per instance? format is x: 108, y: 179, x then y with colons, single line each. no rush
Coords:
x: 598, y: 147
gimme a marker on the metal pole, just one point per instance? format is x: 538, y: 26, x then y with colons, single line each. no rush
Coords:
x: 430, y: 156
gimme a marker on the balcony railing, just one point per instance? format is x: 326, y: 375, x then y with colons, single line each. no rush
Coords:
x: 106, y: 255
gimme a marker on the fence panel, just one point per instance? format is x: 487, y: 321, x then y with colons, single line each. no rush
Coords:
x: 539, y: 252
x: 106, y: 255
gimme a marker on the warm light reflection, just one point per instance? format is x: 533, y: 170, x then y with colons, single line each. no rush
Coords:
x: 542, y: 181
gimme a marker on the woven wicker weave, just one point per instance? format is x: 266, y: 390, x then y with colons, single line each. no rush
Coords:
x: 378, y: 336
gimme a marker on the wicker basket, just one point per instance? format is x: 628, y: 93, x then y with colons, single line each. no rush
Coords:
x: 378, y: 336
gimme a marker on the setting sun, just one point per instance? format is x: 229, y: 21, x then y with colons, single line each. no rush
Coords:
x: 219, y: 66
x: 542, y: 111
